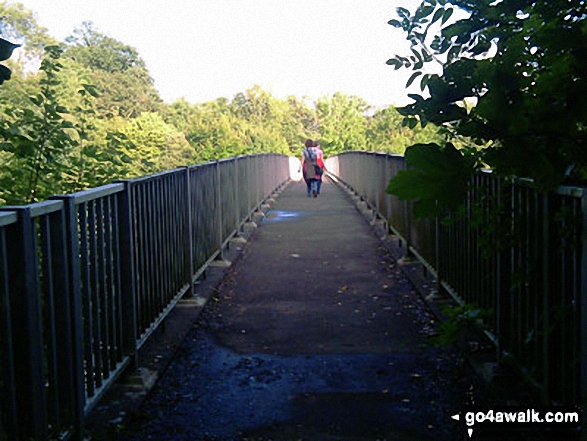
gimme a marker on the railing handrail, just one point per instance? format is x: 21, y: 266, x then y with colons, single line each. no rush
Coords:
x: 565, y: 189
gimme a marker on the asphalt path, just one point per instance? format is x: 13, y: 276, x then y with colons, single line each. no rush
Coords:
x: 314, y: 334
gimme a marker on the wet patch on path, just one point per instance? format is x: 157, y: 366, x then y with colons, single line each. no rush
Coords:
x: 210, y: 392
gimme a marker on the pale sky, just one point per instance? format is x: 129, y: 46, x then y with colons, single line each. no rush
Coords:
x: 205, y: 49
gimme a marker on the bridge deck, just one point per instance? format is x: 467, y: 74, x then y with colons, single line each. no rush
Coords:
x: 316, y: 335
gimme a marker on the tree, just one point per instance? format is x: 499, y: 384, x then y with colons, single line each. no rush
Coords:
x: 266, y: 121
x: 18, y: 23
x: 120, y: 74
x: 342, y: 123
x: 151, y: 145
x: 386, y: 132
x: 523, y: 67
x: 37, y: 138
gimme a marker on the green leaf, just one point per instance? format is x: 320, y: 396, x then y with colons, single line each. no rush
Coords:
x: 395, y: 23
x: 424, y: 12
x: 453, y: 53
x: 436, y: 181
x: 415, y: 97
x: 446, y: 15
x: 424, y: 82
x: 395, y: 63
x: 91, y: 89
x: 437, y: 15
x: 36, y: 100
x: 403, y: 12
x: 412, y: 78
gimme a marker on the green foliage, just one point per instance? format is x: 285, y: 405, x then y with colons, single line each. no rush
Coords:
x: 18, y: 24
x: 343, y: 125
x: 117, y: 71
x: 91, y: 114
x: 457, y: 320
x: 37, y: 137
x: 6, y: 48
x: 149, y: 144
x: 387, y: 131
x: 436, y: 181
x: 514, y: 75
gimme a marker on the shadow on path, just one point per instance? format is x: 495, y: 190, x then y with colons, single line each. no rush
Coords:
x: 315, y: 334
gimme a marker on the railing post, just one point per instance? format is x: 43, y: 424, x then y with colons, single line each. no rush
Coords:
x: 126, y: 222
x: 257, y: 181
x: 219, y: 223
x: 10, y: 429
x: 236, y: 196
x: 583, y: 299
x: 437, y: 254
x: 546, y: 298
x: 25, y: 305
x: 188, y: 204
x: 69, y: 311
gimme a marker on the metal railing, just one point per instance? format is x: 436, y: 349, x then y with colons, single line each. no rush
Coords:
x: 85, y: 279
x: 515, y: 252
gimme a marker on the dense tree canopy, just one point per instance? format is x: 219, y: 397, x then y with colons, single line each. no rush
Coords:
x: 514, y: 78
x: 91, y: 114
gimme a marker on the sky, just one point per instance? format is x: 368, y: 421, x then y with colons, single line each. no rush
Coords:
x: 205, y: 49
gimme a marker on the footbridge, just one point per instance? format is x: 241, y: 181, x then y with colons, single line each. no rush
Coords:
x: 86, y: 279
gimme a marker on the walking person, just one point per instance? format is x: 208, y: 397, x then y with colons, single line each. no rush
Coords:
x: 322, y: 168
x: 309, y: 162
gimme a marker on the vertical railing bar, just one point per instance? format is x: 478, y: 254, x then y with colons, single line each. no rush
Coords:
x: 155, y: 275
x: 545, y: 293
x: 117, y: 322
x: 151, y: 275
x: 164, y: 294
x: 173, y: 240
x: 190, y: 238
x: 186, y: 265
x: 49, y: 331
x: 181, y: 187
x: 110, y: 288
x: 166, y: 269
x: 583, y: 298
x: 578, y: 266
x: 95, y: 298
x: 218, y: 193
x: 147, y: 256
x: 139, y: 221
x: 87, y: 301
x: 8, y: 362
x: 103, y: 290
x: 565, y: 340
x: 127, y: 221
